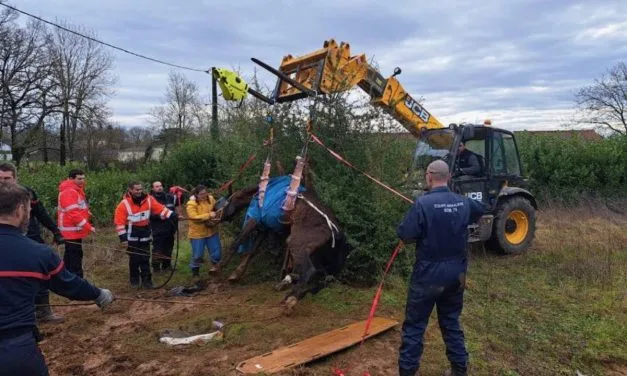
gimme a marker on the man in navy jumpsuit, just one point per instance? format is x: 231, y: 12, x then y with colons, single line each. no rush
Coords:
x: 25, y: 266
x: 437, y: 223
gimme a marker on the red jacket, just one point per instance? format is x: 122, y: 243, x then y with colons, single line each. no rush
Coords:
x: 73, y: 212
x: 132, y: 221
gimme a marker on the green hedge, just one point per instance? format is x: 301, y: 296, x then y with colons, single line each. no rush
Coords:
x: 569, y: 169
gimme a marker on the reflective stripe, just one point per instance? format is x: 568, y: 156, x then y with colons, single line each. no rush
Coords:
x: 136, y: 217
x: 121, y: 232
x: 131, y: 238
x: 81, y: 223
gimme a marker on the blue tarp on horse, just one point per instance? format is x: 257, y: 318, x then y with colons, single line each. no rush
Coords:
x: 270, y: 213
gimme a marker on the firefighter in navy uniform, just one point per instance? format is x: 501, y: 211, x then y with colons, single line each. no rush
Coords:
x: 163, y: 230
x: 39, y: 214
x: 132, y: 221
x: 25, y: 266
x: 437, y: 223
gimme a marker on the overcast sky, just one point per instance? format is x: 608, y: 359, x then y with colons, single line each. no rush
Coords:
x: 517, y: 62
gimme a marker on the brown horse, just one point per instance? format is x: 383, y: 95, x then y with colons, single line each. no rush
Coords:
x: 315, y: 245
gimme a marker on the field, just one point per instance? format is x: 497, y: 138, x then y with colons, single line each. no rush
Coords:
x: 558, y: 309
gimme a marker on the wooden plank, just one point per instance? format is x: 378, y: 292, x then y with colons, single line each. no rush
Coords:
x: 313, y: 348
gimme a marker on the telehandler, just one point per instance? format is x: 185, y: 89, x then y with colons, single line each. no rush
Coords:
x: 509, y: 226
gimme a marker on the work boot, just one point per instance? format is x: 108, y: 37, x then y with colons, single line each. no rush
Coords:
x: 44, y: 314
x: 456, y: 370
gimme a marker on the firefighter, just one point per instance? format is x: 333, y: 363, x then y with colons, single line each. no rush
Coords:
x: 163, y: 230
x: 438, y: 224
x: 39, y: 214
x: 73, y: 218
x: 27, y: 266
x: 132, y: 221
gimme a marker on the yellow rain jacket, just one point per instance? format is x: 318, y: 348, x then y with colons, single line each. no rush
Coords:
x: 198, y: 212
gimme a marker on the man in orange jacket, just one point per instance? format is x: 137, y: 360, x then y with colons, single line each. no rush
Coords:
x: 73, y: 217
x: 132, y: 221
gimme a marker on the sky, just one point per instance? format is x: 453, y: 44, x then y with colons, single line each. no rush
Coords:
x: 516, y: 62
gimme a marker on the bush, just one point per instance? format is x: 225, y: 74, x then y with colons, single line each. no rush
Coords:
x: 570, y: 169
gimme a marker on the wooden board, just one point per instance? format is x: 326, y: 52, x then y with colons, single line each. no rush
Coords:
x: 313, y: 348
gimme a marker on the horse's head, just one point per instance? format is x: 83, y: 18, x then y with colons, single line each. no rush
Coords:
x: 236, y: 202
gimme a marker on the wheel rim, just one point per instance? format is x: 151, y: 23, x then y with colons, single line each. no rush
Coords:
x: 516, y: 227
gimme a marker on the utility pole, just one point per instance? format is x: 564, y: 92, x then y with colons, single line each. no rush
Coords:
x: 214, y: 105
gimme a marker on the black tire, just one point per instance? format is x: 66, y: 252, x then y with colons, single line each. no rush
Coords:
x: 509, y: 235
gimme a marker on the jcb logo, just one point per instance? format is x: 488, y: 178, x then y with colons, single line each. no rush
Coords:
x: 416, y: 108
x: 477, y: 196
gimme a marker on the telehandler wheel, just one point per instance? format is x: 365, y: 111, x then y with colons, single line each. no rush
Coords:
x: 514, y: 226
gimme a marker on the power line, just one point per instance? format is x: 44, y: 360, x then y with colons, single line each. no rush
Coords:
x: 104, y: 43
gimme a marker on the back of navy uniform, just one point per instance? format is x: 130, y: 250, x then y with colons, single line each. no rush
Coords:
x: 438, y: 224
x: 26, y: 266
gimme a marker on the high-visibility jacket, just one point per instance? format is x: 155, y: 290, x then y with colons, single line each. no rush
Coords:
x: 198, y: 211
x: 132, y: 221
x: 73, y: 211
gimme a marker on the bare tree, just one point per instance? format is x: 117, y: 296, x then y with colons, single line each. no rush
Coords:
x: 604, y: 103
x: 139, y: 136
x: 24, y: 69
x: 183, y: 107
x: 82, y: 72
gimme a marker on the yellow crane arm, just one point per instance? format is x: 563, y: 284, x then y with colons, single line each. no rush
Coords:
x: 332, y: 69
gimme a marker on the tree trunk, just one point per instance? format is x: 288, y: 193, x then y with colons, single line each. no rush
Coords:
x: 44, y: 143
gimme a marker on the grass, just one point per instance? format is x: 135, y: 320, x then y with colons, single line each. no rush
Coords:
x: 559, y: 308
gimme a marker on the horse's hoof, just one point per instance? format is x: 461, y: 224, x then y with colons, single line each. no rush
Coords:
x: 285, y: 282
x: 290, y: 303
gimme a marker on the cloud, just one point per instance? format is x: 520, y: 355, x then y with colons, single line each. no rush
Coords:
x: 518, y: 62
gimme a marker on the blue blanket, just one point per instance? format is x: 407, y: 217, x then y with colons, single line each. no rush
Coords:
x: 270, y: 213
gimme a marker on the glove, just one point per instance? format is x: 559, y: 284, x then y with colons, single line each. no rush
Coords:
x: 105, y: 298
x: 58, y: 239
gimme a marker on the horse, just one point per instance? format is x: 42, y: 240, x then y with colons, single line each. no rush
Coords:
x: 316, y: 247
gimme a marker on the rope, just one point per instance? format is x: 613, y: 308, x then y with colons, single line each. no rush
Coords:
x: 126, y: 298
x: 329, y: 222
x: 160, y: 257
x: 347, y: 163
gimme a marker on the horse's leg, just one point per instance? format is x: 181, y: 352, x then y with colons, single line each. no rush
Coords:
x: 241, y: 268
x: 303, y: 271
x: 248, y: 229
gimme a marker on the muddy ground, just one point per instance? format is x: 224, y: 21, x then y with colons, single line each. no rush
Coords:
x: 558, y: 309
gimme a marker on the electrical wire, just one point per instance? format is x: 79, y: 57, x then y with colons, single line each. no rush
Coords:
x: 104, y: 43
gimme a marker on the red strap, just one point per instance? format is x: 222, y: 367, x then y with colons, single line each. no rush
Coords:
x: 377, y: 296
x: 347, y: 163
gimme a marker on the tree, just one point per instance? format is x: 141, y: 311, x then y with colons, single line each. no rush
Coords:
x: 183, y: 107
x: 604, y: 103
x: 81, y: 69
x: 24, y: 84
